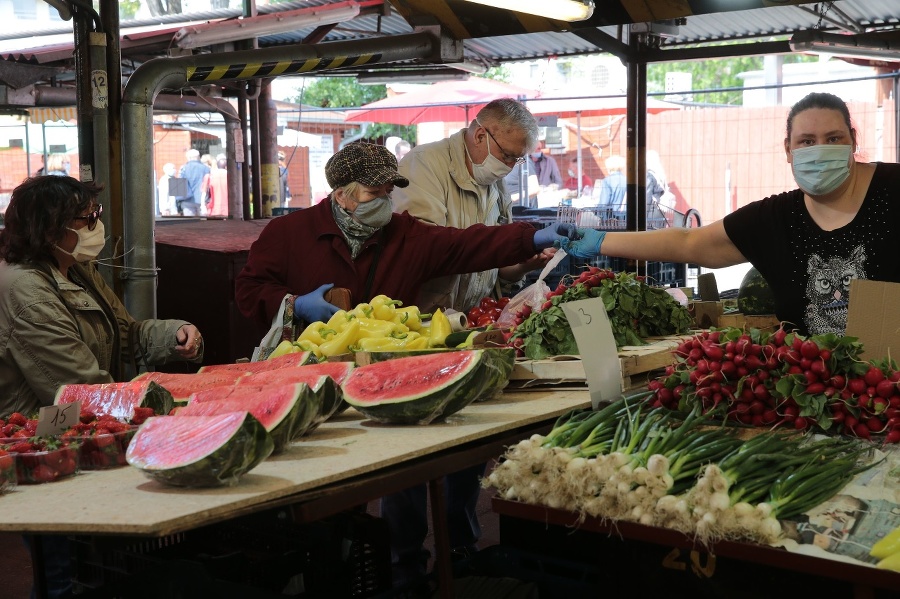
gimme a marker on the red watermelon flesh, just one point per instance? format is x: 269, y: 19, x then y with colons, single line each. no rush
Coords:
x: 182, y: 385
x: 199, y: 451
x: 116, y: 399
x: 277, y: 407
x: 305, y: 374
x: 285, y: 361
x: 417, y: 389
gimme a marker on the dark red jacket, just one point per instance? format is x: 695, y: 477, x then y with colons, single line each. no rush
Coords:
x: 300, y: 251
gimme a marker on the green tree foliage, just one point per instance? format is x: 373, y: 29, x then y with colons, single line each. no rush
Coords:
x: 339, y: 92
x: 715, y: 74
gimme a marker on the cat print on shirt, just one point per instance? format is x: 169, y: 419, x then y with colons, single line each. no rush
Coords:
x: 828, y: 290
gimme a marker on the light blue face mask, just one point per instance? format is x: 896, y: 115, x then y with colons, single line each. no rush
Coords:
x: 821, y: 169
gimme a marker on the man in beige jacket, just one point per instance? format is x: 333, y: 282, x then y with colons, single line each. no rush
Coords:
x: 458, y: 182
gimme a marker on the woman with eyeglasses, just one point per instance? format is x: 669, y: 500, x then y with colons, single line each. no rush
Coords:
x: 60, y: 322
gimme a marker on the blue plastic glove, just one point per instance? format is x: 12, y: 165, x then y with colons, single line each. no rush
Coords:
x: 554, y: 234
x: 312, y: 306
x: 587, y: 245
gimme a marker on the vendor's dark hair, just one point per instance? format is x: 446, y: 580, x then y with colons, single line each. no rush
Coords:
x: 819, y: 100
x: 39, y: 211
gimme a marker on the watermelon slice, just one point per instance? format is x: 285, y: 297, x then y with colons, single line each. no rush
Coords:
x: 284, y: 409
x: 330, y: 391
x: 182, y: 385
x: 285, y: 361
x: 117, y: 399
x: 418, y: 389
x: 199, y: 451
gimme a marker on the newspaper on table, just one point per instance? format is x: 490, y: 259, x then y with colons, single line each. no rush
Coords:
x: 845, y: 527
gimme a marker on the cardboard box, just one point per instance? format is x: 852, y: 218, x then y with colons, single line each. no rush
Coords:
x: 874, y: 317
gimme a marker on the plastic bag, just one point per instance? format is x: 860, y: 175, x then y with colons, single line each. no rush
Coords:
x: 534, y: 295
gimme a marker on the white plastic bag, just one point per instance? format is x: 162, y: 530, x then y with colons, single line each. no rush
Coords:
x: 534, y: 295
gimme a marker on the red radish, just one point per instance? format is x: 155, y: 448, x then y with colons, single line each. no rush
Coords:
x: 873, y: 376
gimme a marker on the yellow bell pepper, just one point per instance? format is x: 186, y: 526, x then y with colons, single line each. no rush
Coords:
x: 373, y: 327
x: 341, y: 342
x: 339, y: 320
x: 891, y: 562
x: 384, y: 307
x: 410, y: 317
x: 308, y: 346
x: 417, y: 343
x: 887, y: 546
x: 285, y: 347
x: 316, y: 332
x: 440, y: 328
x: 363, y: 310
x: 381, y: 344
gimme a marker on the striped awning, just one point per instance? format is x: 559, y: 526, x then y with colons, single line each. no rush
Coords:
x: 55, y: 113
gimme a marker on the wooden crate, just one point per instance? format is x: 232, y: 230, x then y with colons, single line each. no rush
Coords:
x: 636, y: 363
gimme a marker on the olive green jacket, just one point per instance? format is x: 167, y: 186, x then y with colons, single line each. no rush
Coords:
x: 56, y: 331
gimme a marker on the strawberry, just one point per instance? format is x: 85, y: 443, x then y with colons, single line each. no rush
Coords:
x: 141, y: 414
x: 87, y: 417
x: 17, y: 418
x: 44, y: 474
x: 22, y: 447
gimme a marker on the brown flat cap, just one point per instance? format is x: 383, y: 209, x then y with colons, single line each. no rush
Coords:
x: 369, y: 164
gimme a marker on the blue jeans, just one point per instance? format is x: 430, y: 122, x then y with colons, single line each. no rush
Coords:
x: 406, y: 513
x: 57, y: 565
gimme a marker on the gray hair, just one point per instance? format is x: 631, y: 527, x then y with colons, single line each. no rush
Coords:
x: 509, y: 114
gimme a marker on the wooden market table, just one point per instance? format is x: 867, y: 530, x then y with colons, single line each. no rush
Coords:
x: 347, y: 461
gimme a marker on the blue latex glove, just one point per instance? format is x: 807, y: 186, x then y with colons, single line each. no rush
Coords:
x: 554, y: 234
x: 312, y: 306
x: 587, y: 245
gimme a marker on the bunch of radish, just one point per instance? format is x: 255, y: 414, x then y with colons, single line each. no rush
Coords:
x: 784, y: 379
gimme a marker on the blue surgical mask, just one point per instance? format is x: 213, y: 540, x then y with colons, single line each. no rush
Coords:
x: 821, y: 169
x: 537, y: 155
x: 374, y: 213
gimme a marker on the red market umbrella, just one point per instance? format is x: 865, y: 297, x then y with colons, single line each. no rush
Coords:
x: 446, y: 101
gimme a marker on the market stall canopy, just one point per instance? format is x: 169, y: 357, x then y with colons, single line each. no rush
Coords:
x: 446, y: 101
x: 596, y: 106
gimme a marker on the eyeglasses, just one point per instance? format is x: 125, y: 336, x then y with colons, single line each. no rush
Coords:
x: 504, y: 155
x: 92, y: 217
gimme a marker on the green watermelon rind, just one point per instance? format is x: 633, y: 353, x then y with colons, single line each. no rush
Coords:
x: 153, y: 396
x: 331, y: 400
x: 280, y: 426
x: 244, y: 450
x: 495, y: 368
x: 755, y: 296
x: 426, y: 406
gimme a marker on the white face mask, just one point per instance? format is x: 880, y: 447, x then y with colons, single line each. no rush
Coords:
x: 89, y: 243
x: 491, y: 170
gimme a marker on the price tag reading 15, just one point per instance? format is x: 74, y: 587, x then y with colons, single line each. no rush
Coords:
x: 53, y: 420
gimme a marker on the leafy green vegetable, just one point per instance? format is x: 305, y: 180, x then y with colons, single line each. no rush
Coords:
x: 636, y: 311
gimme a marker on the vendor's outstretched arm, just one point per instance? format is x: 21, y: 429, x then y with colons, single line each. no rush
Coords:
x: 707, y: 246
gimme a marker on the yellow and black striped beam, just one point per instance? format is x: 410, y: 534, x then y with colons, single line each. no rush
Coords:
x: 206, y: 74
x: 466, y: 20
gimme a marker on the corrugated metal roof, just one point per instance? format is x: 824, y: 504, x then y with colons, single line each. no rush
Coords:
x: 704, y: 29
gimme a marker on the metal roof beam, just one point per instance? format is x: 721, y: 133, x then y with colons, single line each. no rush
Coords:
x: 605, y: 42
x: 724, y: 51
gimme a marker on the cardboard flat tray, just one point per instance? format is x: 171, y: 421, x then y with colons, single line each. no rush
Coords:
x: 634, y: 361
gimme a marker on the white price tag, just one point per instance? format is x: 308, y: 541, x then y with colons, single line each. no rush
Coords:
x: 597, y: 346
x: 53, y: 420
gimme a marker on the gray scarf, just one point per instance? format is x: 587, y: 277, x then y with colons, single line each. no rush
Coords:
x: 354, y: 232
